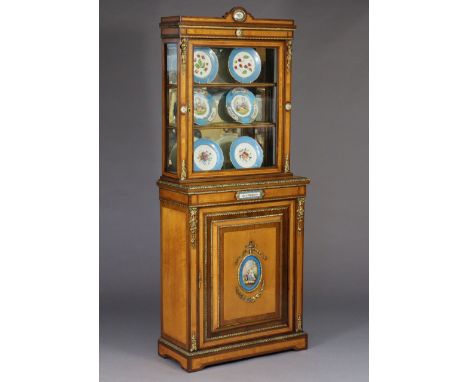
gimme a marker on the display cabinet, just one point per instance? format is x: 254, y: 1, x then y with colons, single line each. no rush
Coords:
x: 232, y: 212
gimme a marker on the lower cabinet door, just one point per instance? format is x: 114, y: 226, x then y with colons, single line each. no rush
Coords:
x: 246, y: 266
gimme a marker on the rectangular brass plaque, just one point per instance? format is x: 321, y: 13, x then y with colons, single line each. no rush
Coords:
x: 250, y: 194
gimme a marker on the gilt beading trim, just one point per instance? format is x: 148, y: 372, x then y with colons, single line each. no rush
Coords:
x: 233, y: 27
x: 238, y: 334
x: 229, y: 347
x: 209, y: 37
x: 189, y: 187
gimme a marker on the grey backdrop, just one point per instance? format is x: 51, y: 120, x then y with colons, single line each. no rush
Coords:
x: 329, y: 145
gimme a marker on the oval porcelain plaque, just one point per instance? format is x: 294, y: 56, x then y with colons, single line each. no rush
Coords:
x: 250, y: 273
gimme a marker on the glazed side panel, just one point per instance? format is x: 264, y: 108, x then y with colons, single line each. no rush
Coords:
x: 164, y: 105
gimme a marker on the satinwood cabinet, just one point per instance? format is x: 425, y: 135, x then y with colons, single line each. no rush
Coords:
x: 232, y: 212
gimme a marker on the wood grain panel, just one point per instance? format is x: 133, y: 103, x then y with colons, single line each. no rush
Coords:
x: 174, y: 274
x: 227, y: 197
x: 173, y: 196
x: 231, y: 33
x: 166, y: 352
x: 266, y: 236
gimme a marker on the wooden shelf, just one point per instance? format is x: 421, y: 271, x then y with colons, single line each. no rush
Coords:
x: 236, y: 85
x: 234, y: 125
x: 229, y: 85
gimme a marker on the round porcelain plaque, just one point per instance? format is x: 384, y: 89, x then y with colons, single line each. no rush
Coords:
x: 238, y: 15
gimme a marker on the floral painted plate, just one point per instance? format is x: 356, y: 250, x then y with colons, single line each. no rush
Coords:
x: 241, y: 105
x: 207, y: 155
x: 204, y: 107
x: 205, y: 65
x: 244, y: 65
x: 245, y: 152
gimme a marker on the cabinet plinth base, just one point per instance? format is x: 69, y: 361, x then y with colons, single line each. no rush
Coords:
x: 197, y: 360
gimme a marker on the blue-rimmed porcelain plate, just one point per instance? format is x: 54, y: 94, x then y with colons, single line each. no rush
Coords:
x: 207, y: 155
x: 245, y: 152
x: 244, y: 65
x: 205, y: 65
x: 204, y: 107
x: 241, y: 105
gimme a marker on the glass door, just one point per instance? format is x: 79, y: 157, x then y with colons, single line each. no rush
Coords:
x: 235, y: 90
